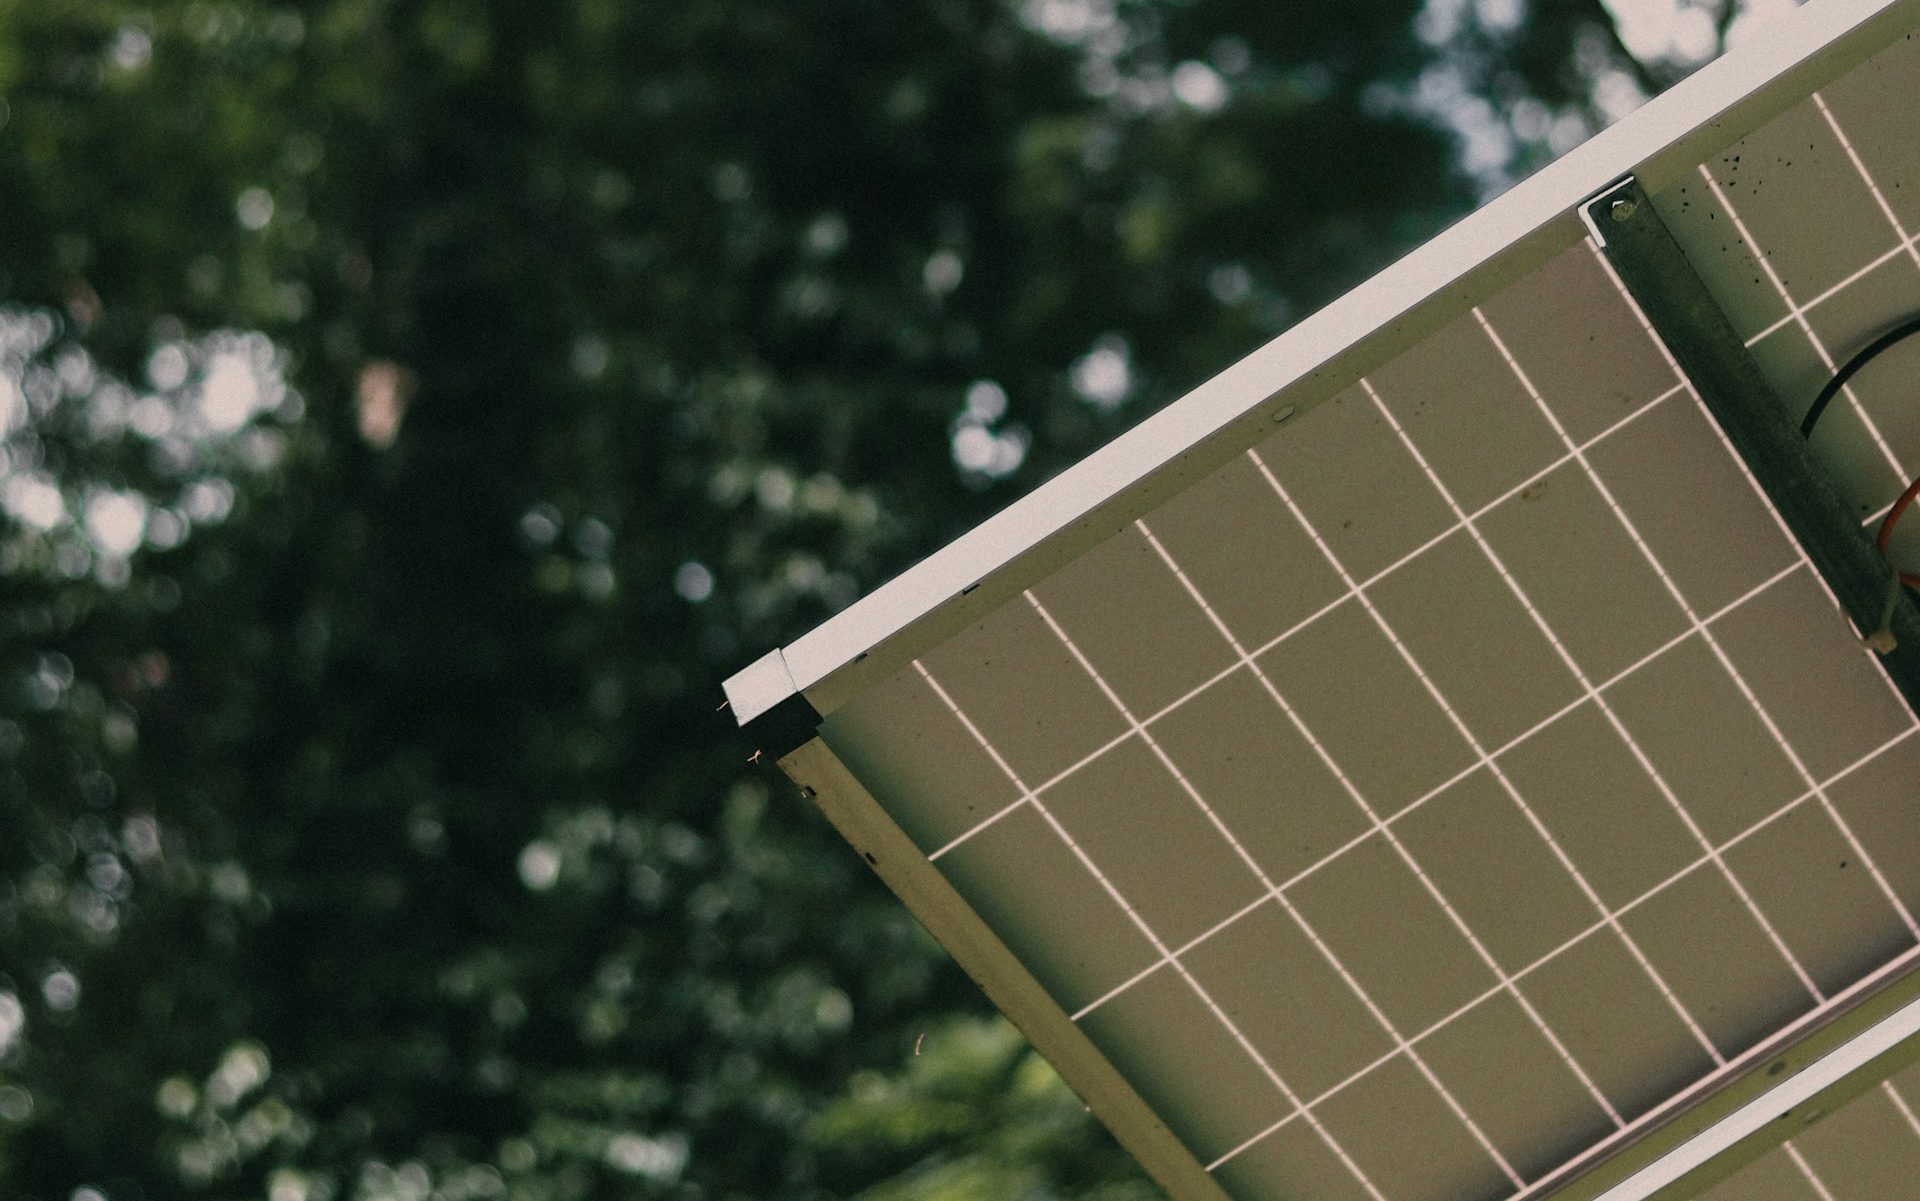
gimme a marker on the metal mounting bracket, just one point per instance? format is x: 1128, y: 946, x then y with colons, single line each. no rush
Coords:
x: 1714, y: 358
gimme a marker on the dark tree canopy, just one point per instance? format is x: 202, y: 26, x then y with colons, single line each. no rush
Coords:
x: 413, y: 408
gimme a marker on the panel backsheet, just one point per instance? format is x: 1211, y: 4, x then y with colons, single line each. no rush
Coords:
x: 1435, y: 792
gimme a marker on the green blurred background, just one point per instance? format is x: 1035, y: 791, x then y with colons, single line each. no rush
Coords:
x: 412, y: 410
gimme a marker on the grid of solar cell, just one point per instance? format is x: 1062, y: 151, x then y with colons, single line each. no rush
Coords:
x: 1304, y: 833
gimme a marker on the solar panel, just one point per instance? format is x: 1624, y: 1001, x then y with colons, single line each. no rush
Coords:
x: 1435, y: 760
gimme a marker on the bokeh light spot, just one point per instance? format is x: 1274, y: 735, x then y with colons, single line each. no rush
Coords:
x: 657, y: 1158
x: 539, y: 865
x: 254, y: 208
x: 61, y: 989
x: 943, y: 272
x: 176, y: 1097
x: 131, y: 49
x: 693, y: 581
x: 16, y: 1103
x: 1199, y: 87
x: 1229, y: 283
x: 540, y: 525
x: 13, y: 1021
x: 33, y: 501
x: 116, y: 521
x: 381, y: 396
x: 986, y: 401
x: 1104, y: 375
x: 242, y: 1069
x: 167, y: 367
x: 229, y: 395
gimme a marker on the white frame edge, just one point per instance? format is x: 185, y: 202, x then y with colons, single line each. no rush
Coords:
x: 1662, y: 139
x: 759, y: 686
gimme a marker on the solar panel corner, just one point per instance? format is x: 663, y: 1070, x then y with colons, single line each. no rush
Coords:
x: 954, y: 924
x: 770, y: 709
x: 759, y: 686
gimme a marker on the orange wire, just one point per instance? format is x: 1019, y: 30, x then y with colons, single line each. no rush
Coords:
x: 1892, y: 519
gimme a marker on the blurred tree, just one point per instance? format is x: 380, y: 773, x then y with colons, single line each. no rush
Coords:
x: 413, y: 408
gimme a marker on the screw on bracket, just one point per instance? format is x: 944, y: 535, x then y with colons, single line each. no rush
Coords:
x: 1621, y: 210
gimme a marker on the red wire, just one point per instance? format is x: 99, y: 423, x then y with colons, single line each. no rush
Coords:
x: 1892, y: 519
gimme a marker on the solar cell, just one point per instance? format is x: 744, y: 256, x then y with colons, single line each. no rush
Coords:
x: 1425, y: 798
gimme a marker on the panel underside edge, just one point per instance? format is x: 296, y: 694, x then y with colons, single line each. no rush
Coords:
x: 1794, y: 1051
x: 859, y: 818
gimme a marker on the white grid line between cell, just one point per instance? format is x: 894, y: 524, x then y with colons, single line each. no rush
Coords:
x: 1907, y: 241
x: 1060, y: 831
x: 1596, y: 928
x: 1800, y: 318
x: 1591, y: 693
x: 1713, y: 644
x: 1345, y: 596
x: 1633, y: 745
x: 1479, y: 752
x: 1439, y: 789
x: 1813, y: 1180
x: 1905, y: 960
x: 1901, y: 1107
x: 1293, y: 914
x: 1866, y: 177
x: 1779, y: 323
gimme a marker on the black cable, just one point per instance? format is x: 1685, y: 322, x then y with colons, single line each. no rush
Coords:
x: 1905, y: 329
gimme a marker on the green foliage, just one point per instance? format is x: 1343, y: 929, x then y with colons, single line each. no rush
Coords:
x: 413, y: 409
x: 974, y: 1114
